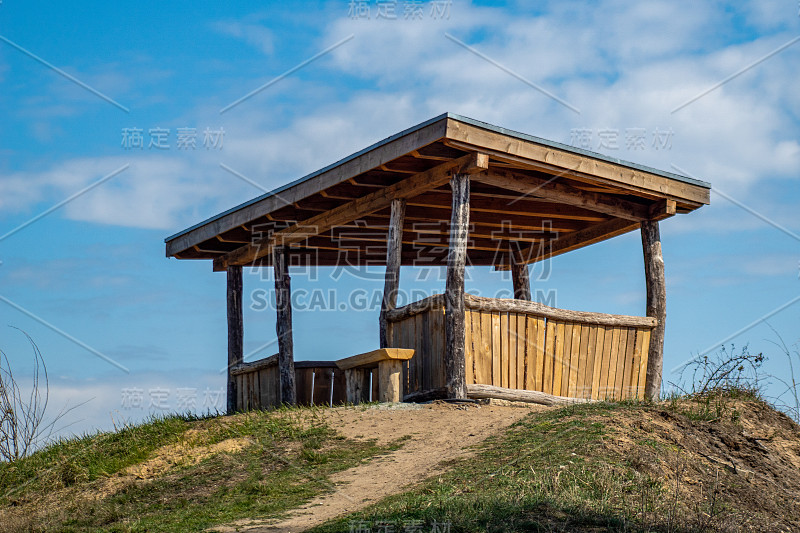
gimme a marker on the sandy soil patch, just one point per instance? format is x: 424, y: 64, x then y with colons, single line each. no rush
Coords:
x: 435, y: 433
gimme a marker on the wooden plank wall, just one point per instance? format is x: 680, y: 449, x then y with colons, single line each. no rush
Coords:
x: 521, y: 351
x: 250, y: 392
x: 259, y: 389
x: 424, y: 333
x: 524, y: 351
x: 321, y: 378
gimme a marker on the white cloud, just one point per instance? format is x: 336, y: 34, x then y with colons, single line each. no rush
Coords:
x: 624, y: 65
x: 103, y: 404
x: 771, y: 15
x: 785, y: 265
x: 252, y: 31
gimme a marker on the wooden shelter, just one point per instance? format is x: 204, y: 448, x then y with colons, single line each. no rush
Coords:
x: 454, y: 191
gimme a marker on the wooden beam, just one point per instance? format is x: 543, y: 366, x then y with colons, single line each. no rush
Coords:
x: 656, y: 306
x: 522, y: 223
x: 479, y: 391
x: 553, y: 160
x: 573, y: 241
x: 532, y: 206
x: 521, y: 220
x: 283, y: 325
x: 662, y: 209
x: 519, y: 275
x: 454, y: 310
x: 373, y: 358
x: 540, y: 187
x: 394, y: 257
x: 352, y: 244
x: 374, y: 201
x: 255, y: 366
x: 412, y: 231
x: 235, y: 331
x: 505, y: 305
x: 499, y: 203
x: 435, y: 301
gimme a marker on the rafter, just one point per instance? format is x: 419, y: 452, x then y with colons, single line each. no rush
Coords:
x: 375, y: 201
x: 571, y: 241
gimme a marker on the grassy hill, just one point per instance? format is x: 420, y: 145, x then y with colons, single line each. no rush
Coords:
x: 721, y: 462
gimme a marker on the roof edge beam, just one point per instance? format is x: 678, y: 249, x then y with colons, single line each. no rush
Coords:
x: 550, y: 188
x: 563, y: 163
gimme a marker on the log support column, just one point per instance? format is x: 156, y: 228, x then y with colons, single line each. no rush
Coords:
x: 656, y: 305
x: 394, y: 249
x: 519, y: 275
x: 283, y: 326
x: 454, y: 310
x: 235, y: 331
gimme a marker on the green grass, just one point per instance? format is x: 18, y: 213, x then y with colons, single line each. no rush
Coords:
x: 568, y: 470
x: 286, y: 464
x: 548, y: 472
x: 716, y: 404
x: 87, y: 458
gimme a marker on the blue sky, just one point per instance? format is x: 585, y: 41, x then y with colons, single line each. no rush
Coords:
x: 94, y: 268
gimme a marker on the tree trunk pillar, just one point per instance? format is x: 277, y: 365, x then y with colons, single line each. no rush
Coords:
x: 519, y: 275
x: 454, y: 310
x: 656, y: 305
x: 394, y: 249
x: 235, y: 331
x: 283, y: 325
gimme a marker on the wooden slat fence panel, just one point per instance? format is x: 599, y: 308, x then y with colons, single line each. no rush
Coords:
x: 257, y: 388
x: 510, y: 343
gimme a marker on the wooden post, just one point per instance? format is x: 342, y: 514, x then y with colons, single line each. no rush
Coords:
x: 656, y: 305
x: 357, y: 385
x: 390, y: 387
x: 519, y: 275
x: 394, y: 249
x: 235, y: 331
x: 283, y: 326
x: 454, y: 309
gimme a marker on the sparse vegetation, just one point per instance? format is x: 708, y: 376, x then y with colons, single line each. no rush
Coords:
x: 176, y: 473
x: 616, y: 467
x: 724, y: 370
x: 23, y: 423
x: 788, y: 399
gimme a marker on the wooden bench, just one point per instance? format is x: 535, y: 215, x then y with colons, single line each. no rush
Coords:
x: 357, y: 370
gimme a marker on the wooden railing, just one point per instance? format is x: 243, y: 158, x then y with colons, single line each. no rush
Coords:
x: 513, y: 344
x: 316, y: 383
x: 526, y: 345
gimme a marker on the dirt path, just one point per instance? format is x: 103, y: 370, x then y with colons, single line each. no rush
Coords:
x: 436, y: 433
